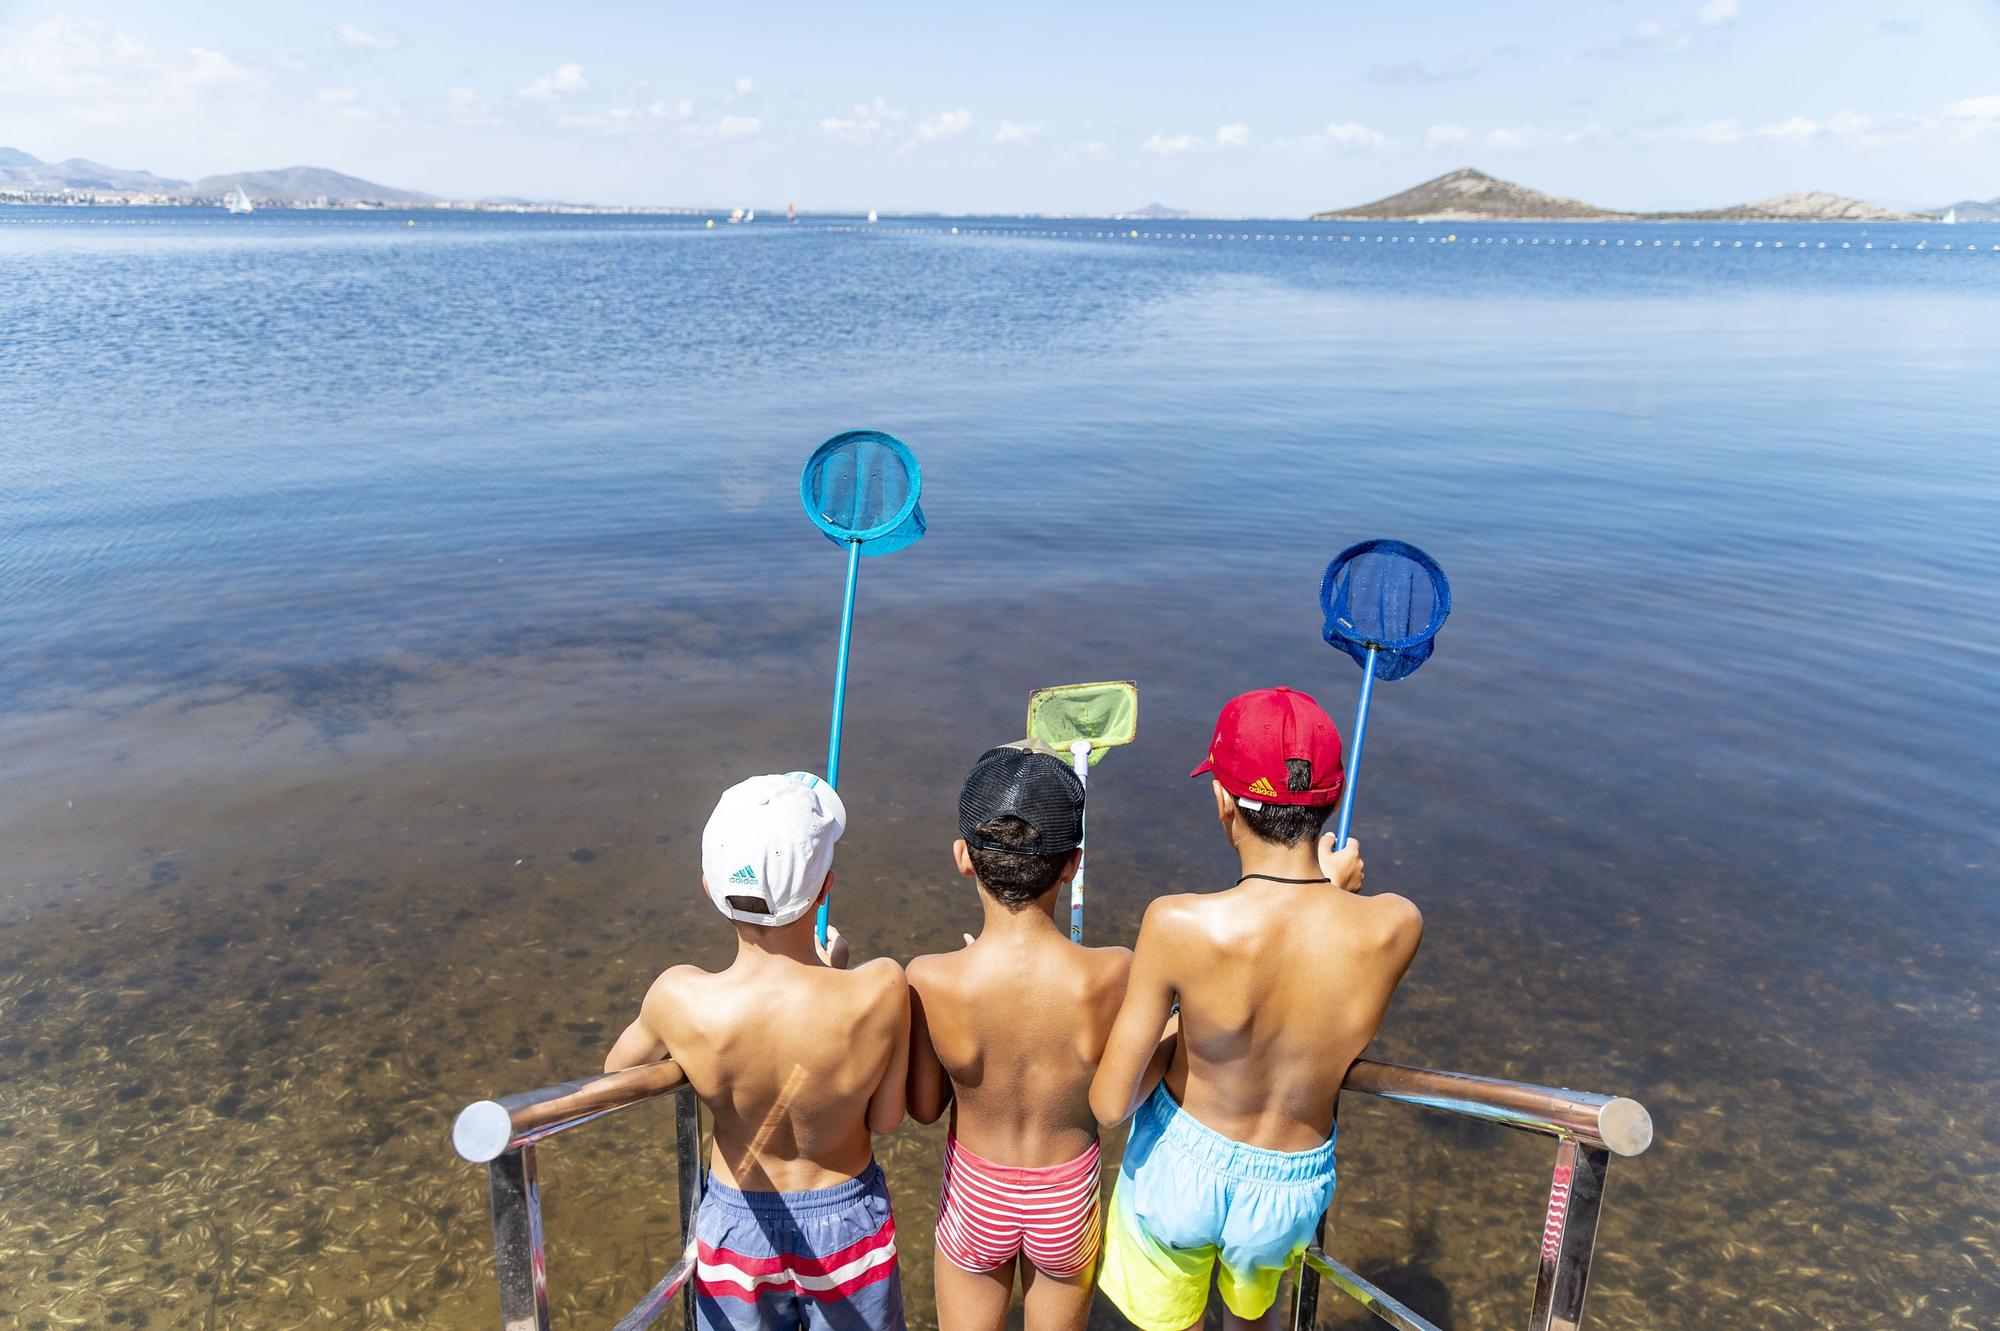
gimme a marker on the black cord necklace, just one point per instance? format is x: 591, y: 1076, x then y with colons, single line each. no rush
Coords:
x: 1273, y: 878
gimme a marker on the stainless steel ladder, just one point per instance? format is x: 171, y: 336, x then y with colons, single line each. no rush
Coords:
x: 1589, y: 1129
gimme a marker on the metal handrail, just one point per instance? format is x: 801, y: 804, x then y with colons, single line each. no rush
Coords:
x: 502, y: 1134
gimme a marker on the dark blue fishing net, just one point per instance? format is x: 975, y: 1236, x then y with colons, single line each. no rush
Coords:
x: 1388, y: 595
x: 862, y: 487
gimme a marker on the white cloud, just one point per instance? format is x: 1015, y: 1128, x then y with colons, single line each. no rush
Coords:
x: 1797, y: 129
x: 1657, y: 38
x: 1509, y: 140
x: 1849, y: 123
x: 1016, y: 136
x: 337, y: 96
x: 741, y: 89
x: 1173, y: 145
x: 945, y: 125
x: 1348, y: 136
x: 87, y: 71
x: 1096, y: 148
x: 868, y: 122
x: 738, y: 127
x: 464, y: 106
x: 1233, y: 135
x: 363, y: 40
x: 1444, y: 136
x: 564, y: 81
x: 1983, y: 110
x: 660, y: 111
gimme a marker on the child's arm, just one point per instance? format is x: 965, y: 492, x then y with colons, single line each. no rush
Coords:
x: 885, y: 1106
x: 640, y: 1042
x: 929, y: 1086
x: 1136, y: 1042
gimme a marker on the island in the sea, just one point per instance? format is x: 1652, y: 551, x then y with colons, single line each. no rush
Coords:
x: 1467, y: 195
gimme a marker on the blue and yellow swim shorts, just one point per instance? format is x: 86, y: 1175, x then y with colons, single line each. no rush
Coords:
x: 1186, y: 1197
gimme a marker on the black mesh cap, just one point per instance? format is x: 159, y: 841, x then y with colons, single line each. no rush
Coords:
x: 1037, y: 788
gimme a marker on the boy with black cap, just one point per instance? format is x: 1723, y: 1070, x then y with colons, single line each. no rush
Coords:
x: 1281, y: 982
x: 799, y: 1061
x: 1007, y: 1032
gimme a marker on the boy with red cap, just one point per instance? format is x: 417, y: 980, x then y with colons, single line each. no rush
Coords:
x: 1281, y: 982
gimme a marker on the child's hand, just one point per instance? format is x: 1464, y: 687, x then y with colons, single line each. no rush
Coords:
x: 834, y: 951
x: 1343, y: 866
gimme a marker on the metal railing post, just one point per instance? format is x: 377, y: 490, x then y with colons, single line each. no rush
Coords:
x: 517, y: 1241
x: 693, y: 1179
x: 1305, y: 1290
x: 1576, y: 1194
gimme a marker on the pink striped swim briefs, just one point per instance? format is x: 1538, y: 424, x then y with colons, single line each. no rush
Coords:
x: 988, y: 1213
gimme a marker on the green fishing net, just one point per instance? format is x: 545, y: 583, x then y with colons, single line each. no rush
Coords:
x: 1106, y: 714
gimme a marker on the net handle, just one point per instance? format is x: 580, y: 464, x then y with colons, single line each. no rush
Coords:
x: 1354, y: 759
x: 839, y: 710
x: 1079, y: 762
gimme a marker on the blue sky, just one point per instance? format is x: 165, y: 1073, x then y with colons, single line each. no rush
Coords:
x: 1268, y: 109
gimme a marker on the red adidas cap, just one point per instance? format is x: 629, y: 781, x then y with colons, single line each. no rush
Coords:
x: 1258, y: 731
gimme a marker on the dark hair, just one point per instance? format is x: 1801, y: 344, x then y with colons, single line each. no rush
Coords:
x: 1016, y: 878
x: 1288, y: 824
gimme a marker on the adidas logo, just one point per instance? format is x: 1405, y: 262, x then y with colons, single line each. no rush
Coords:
x: 1262, y: 788
x: 746, y: 874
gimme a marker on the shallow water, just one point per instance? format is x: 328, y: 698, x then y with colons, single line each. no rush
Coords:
x: 381, y: 609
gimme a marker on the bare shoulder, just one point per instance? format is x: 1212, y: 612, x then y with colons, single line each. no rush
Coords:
x: 1108, y: 966
x: 1172, y: 916
x: 881, y: 981
x: 675, y: 983
x: 1395, y: 921
x: 935, y: 971
x: 676, y: 990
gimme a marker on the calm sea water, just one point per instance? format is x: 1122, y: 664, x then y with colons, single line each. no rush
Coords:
x: 382, y: 606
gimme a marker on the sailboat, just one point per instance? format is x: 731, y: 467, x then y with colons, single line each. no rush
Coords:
x: 735, y: 214
x: 749, y: 214
x: 791, y: 212
x: 238, y: 202
x: 1950, y: 216
x: 871, y: 214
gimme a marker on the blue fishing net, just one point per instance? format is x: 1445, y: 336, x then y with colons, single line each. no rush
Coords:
x: 1388, y: 595
x: 862, y: 486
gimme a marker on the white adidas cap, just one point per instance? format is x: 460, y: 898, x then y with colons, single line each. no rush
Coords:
x: 770, y: 842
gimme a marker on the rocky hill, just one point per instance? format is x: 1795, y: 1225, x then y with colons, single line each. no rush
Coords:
x: 1972, y: 210
x: 305, y: 184
x: 1801, y: 206
x: 21, y: 171
x: 1473, y: 196
x: 1467, y: 195
x: 24, y: 173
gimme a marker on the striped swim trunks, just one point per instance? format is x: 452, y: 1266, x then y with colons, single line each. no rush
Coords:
x: 823, y: 1260
x: 988, y: 1213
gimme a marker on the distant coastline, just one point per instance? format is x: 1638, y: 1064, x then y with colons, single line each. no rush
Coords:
x: 1465, y: 195
x: 1469, y: 195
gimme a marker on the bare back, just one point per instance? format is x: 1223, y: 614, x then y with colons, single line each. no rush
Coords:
x: 1017, y: 1022
x: 788, y: 1056
x: 1281, y: 986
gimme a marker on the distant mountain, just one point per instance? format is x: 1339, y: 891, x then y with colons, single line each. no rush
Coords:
x: 19, y: 170
x: 1972, y: 210
x: 1467, y: 195
x: 1473, y: 196
x: 305, y: 184
x: 1802, y: 206
x: 1153, y: 212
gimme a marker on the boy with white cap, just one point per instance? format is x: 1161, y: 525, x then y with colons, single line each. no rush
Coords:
x: 799, y: 1061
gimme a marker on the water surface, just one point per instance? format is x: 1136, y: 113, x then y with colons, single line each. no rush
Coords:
x: 382, y: 607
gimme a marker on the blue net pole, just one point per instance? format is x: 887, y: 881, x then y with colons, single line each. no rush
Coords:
x: 839, y: 696
x: 1354, y: 759
x: 1079, y: 757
